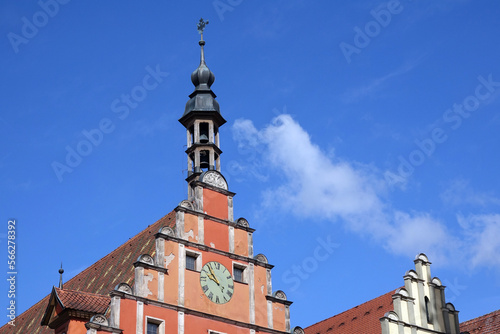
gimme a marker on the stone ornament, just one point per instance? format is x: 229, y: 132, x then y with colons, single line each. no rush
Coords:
x: 450, y: 306
x: 124, y: 287
x: 215, y: 179
x: 392, y: 315
x: 145, y: 258
x: 280, y: 295
x: 99, y: 319
x: 412, y: 273
x: 403, y: 292
x: 242, y: 222
x: 298, y: 330
x: 261, y: 258
x: 168, y: 231
x: 186, y: 204
x: 422, y: 257
x: 437, y: 281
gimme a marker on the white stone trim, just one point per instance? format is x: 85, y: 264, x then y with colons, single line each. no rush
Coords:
x: 114, y: 316
x: 160, y: 252
x: 244, y: 267
x: 139, y: 282
x: 201, y: 230
x: 160, y: 322
x: 287, y: 318
x: 140, y: 315
x: 251, y: 286
x: 180, y: 322
x: 231, y: 239
x: 193, y: 253
x: 161, y: 286
x: 182, y: 268
x: 269, y: 282
x: 198, y: 196
x: 179, y: 225
x: 270, y: 314
x: 250, y: 245
x: 230, y: 210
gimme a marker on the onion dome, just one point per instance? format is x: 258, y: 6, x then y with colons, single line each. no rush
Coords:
x: 202, y: 101
x: 202, y: 77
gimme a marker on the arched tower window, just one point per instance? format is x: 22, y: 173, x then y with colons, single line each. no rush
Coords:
x: 204, y: 134
x: 191, y: 135
x: 427, y: 310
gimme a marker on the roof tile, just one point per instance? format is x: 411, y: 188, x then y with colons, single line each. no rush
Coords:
x: 362, y: 319
x: 122, y: 271
x: 486, y: 324
x: 83, y: 301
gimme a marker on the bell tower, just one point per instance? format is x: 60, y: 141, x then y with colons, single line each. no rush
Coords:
x: 195, y: 269
x: 202, y: 120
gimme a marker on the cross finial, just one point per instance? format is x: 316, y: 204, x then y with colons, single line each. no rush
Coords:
x: 201, y: 26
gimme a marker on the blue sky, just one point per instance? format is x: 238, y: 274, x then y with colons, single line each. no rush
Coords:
x: 364, y: 131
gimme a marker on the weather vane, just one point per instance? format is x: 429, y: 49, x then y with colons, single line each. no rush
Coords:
x: 201, y: 26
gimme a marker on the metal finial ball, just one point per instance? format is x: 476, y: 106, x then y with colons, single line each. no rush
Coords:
x: 61, y: 271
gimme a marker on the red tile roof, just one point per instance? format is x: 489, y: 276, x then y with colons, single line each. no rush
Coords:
x: 100, y: 278
x: 83, y: 301
x: 486, y: 324
x: 362, y: 319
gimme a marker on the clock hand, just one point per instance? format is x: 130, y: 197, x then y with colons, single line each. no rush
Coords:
x: 213, y: 274
x: 212, y: 278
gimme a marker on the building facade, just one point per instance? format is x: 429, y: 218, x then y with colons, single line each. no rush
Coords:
x: 195, y: 271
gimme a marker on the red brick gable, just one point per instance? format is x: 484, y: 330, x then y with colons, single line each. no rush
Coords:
x: 362, y: 319
x: 100, y: 278
x: 486, y: 324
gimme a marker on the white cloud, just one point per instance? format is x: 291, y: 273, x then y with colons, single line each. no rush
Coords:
x: 312, y: 184
x: 419, y: 232
x: 316, y: 182
x: 482, y: 235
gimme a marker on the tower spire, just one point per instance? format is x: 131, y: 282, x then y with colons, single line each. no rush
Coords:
x: 202, y: 120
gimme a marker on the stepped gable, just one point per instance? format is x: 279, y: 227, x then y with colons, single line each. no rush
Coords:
x: 100, y: 278
x: 486, y: 324
x: 362, y: 319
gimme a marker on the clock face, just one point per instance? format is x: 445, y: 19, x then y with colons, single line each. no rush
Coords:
x: 216, y: 282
